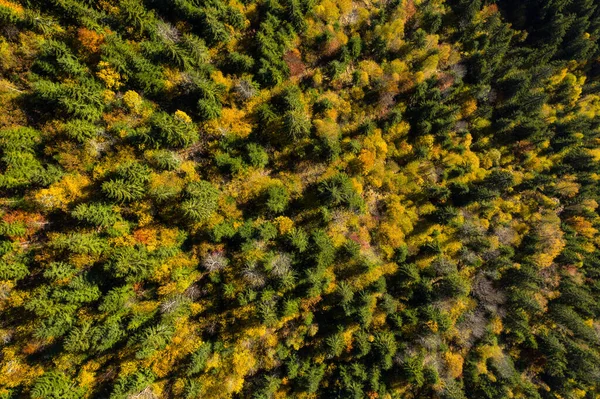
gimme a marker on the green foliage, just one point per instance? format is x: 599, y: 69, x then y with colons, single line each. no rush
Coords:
x: 13, y: 270
x: 298, y: 239
x: 55, y: 385
x: 301, y: 198
x: 115, y: 300
x: 132, y: 384
x: 122, y: 191
x: 20, y: 166
x: 339, y: 191
x: 130, y: 263
x: 277, y: 198
x: 80, y: 130
x: 257, y: 156
x: 59, y: 271
x: 164, y: 159
x: 128, y: 184
x: 199, y: 358
x: 96, y: 214
x: 82, y: 101
x: 202, y: 201
x: 172, y: 131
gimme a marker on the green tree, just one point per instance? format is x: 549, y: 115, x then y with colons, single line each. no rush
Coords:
x: 202, y: 201
x: 56, y: 385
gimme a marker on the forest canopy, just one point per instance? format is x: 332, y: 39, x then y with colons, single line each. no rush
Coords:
x: 276, y: 199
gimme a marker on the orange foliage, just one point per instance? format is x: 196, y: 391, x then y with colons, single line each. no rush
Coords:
x: 16, y: 8
x: 367, y: 160
x: 32, y: 221
x: 90, y: 39
x: 409, y: 9
x: 489, y: 10
x: 293, y: 59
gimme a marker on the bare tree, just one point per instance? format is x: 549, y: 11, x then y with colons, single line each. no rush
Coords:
x: 489, y: 296
x: 245, y: 89
x: 215, y: 261
x: 168, y: 32
x: 146, y: 393
x: 253, y: 276
x: 281, y: 265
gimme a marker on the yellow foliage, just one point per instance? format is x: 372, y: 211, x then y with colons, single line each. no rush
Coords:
x: 145, y: 306
x: 392, y: 32
x: 392, y: 236
x: 430, y: 64
x: 189, y: 168
x: 490, y: 351
x: 397, y: 132
x: 143, y: 211
x: 370, y: 277
x: 17, y: 9
x: 356, y: 185
x: 454, y: 362
x: 108, y: 96
x: 109, y: 6
x: 595, y: 153
x: 110, y: 77
x: 433, y: 325
x: 367, y: 160
x: 379, y: 319
x: 397, y: 66
x: 227, y: 380
x: 132, y: 100
x: 173, y: 78
x: 345, y: 6
x: 128, y: 367
x: 183, y: 343
x: 251, y: 186
x: 328, y: 11
x: 419, y: 77
x: 232, y: 121
x: 317, y: 78
x: 218, y: 77
x: 469, y: 107
x: 81, y: 261
x: 459, y: 307
x: 347, y: 336
x: 326, y: 128
x: 551, y: 242
x: 583, y: 226
x: 182, y: 116
x: 558, y: 77
x: 284, y: 224
x: 13, y: 372
x: 62, y: 193
x: 371, y: 68
x: 163, y: 180
x: 168, y: 288
x: 496, y: 325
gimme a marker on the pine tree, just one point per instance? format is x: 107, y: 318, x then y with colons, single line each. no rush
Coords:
x: 96, y: 214
x: 335, y: 345
x: 55, y: 385
x: 202, y: 201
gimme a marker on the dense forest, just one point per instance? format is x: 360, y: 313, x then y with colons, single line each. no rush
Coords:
x: 274, y: 199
